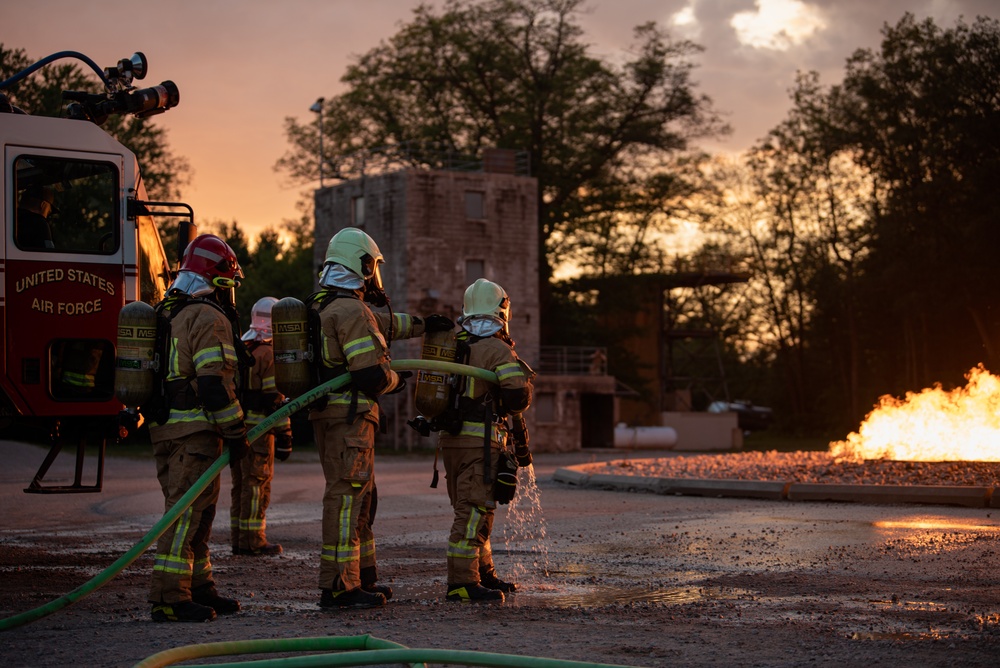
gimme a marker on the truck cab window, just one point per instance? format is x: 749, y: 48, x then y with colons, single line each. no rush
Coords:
x: 66, y: 206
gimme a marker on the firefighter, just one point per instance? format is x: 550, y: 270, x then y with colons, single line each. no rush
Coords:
x: 483, y: 342
x: 354, y: 339
x: 201, y: 415
x: 251, y: 493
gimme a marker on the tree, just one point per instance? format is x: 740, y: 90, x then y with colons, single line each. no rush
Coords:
x: 810, y: 236
x: 514, y: 74
x: 272, y: 267
x: 922, y: 114
x: 163, y: 172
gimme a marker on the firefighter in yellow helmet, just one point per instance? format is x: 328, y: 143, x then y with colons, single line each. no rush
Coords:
x: 353, y: 339
x: 197, y: 415
x: 483, y: 407
x: 252, y: 475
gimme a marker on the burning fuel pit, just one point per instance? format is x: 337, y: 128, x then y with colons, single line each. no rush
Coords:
x: 934, y: 446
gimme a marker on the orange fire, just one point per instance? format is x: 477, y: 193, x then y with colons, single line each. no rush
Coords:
x: 932, y: 425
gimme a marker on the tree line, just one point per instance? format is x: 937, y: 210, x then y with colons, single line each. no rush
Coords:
x: 866, y: 220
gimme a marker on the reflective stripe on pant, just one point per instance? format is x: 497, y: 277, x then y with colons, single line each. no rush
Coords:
x: 366, y: 536
x: 472, y: 500
x: 182, y: 559
x: 346, y: 453
x: 251, y: 495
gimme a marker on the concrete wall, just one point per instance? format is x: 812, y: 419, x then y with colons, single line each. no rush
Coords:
x: 704, y: 431
x: 561, y: 413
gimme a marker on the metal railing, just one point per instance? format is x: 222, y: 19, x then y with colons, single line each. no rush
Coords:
x: 573, y: 360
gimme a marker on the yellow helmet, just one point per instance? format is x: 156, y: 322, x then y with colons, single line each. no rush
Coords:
x: 486, y: 298
x: 357, y: 251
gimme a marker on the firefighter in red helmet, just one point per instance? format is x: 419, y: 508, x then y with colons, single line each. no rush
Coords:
x: 251, y: 493
x: 198, y: 415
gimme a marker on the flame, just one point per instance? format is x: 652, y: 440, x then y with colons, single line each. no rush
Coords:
x: 932, y: 425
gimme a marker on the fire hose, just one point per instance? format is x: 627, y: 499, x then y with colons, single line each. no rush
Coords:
x: 206, y: 479
x: 354, y: 651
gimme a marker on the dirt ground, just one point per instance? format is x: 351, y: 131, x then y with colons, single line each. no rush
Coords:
x: 606, y: 577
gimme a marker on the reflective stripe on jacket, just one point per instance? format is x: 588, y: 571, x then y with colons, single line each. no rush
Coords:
x: 201, y: 345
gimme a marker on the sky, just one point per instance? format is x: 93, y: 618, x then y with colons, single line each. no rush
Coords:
x: 243, y: 66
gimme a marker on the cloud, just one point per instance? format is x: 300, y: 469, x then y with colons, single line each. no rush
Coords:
x: 777, y: 24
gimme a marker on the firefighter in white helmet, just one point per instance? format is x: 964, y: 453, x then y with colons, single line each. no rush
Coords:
x: 353, y: 339
x: 196, y: 416
x: 484, y: 342
x: 252, y: 475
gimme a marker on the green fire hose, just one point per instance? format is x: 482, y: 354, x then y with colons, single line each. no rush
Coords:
x: 355, y: 651
x: 199, y: 486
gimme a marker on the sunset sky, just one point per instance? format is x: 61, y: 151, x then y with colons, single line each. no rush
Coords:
x: 242, y: 67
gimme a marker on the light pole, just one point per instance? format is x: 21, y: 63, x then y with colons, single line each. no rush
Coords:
x: 318, y: 108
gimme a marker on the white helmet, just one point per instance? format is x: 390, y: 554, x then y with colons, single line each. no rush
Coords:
x: 486, y: 302
x: 260, y: 320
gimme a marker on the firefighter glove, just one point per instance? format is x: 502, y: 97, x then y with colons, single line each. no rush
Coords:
x: 282, y: 446
x: 438, y: 323
x: 238, y: 448
x: 522, y: 455
x: 401, y: 385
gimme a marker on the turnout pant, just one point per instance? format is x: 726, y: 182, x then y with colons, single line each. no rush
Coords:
x: 347, y: 454
x: 182, y: 559
x: 472, y: 500
x: 251, y: 495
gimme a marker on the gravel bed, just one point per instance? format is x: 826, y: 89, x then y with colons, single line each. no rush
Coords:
x: 812, y: 467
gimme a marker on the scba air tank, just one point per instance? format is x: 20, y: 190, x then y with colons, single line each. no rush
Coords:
x: 433, y: 387
x: 135, y: 362
x: 293, y: 374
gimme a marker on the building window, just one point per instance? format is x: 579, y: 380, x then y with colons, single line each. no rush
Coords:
x: 544, y: 406
x: 474, y: 269
x: 475, y: 205
x: 358, y: 211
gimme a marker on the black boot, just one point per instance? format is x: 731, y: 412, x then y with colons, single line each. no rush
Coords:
x: 473, y: 593
x: 207, y: 595
x: 265, y: 550
x: 182, y: 611
x: 351, y: 598
x: 369, y: 580
x: 488, y: 578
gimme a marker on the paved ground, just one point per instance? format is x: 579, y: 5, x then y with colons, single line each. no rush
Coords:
x: 610, y: 577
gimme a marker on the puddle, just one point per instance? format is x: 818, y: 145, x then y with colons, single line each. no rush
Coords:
x: 571, y: 596
x: 935, y: 524
x: 899, y: 635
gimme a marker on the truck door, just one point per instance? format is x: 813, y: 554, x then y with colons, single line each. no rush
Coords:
x: 63, y: 281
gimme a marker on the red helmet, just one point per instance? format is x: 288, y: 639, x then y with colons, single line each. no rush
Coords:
x: 211, y: 258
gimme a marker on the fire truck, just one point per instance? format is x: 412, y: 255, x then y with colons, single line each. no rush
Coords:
x: 79, y: 240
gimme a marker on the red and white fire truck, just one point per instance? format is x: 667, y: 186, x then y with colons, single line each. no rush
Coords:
x: 78, y: 241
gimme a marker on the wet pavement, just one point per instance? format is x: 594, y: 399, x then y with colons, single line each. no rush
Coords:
x: 827, y: 582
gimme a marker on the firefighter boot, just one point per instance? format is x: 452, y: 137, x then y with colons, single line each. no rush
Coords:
x: 265, y: 550
x: 369, y: 580
x: 182, y: 611
x: 351, y: 598
x: 473, y: 593
x: 207, y: 595
x: 488, y: 578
